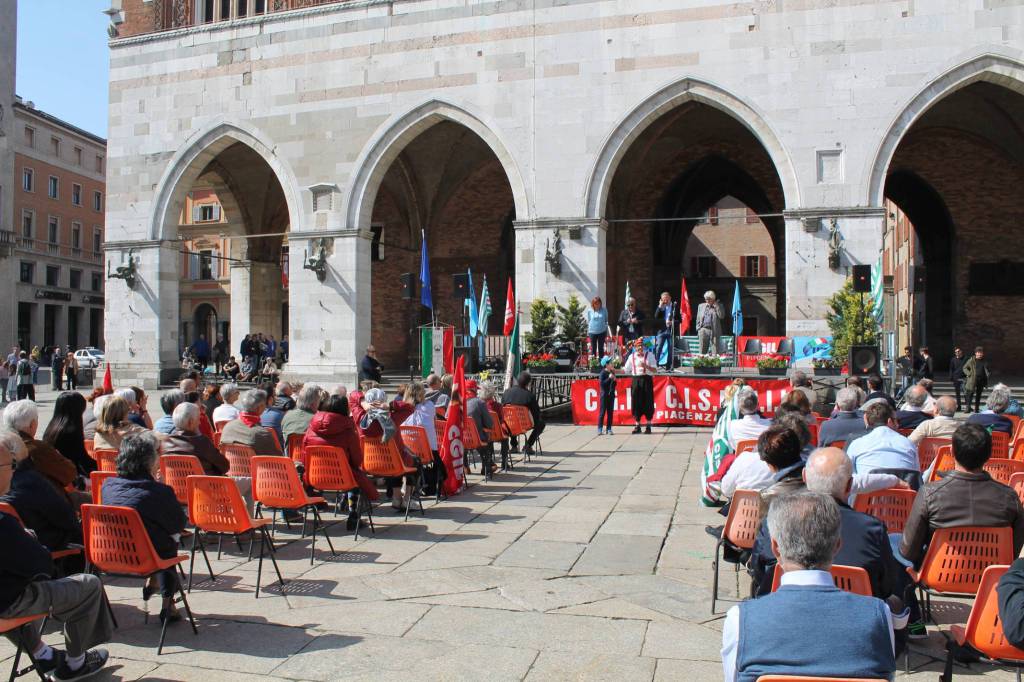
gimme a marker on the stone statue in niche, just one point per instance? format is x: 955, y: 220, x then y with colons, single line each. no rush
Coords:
x: 835, y: 243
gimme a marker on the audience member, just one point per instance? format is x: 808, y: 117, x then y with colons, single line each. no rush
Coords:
x: 434, y: 392
x: 808, y: 627
x: 799, y: 382
x: 799, y: 400
x: 185, y: 439
x: 476, y: 409
x: 131, y: 397
x: 749, y: 471
x: 66, y: 432
x: 881, y: 447
x: 296, y: 422
x: 1011, y: 603
x: 246, y: 430
x: 780, y: 449
x: 283, y: 399
x: 751, y: 424
x: 112, y: 423
x: 136, y: 486
x: 941, y: 426
x: 232, y: 369
x: 876, y: 390
x: 211, y: 400
x: 89, y: 416
x: 226, y: 411
x: 520, y: 394
x: 846, y: 424
x: 992, y: 416
x: 22, y: 417
x: 913, y: 412
x: 273, y: 413
x: 168, y: 401
x: 28, y: 587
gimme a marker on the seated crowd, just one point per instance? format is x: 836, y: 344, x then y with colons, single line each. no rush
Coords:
x: 46, y: 482
x: 807, y: 523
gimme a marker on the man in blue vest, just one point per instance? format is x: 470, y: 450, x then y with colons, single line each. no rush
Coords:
x: 808, y: 627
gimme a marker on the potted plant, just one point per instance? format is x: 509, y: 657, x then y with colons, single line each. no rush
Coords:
x: 827, y: 367
x: 773, y: 365
x: 541, y: 363
x: 707, y: 364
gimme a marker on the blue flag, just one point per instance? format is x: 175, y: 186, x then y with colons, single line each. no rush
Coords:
x: 425, y: 295
x: 737, y: 312
x: 471, y: 302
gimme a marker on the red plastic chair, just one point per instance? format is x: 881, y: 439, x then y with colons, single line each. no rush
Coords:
x: 90, y: 446
x: 1002, y: 469
x: 384, y: 460
x: 239, y: 459
x: 1018, y: 433
x: 739, y: 533
x: 847, y: 578
x: 512, y: 415
x: 415, y: 438
x: 219, y: 425
x: 841, y: 444
x: 1017, y: 483
x: 96, y: 479
x: 928, y: 450
x: 905, y: 432
x: 294, y: 448
x: 174, y: 469
x: 956, y: 559
x: 813, y: 428
x: 276, y: 485
x: 984, y: 629
x: 116, y: 543
x: 105, y: 459
x: 217, y: 435
x: 471, y: 442
x: 943, y: 462
x: 891, y: 506
x: 215, y: 506
x: 439, y: 426
x: 329, y: 471
x: 8, y: 624
x: 1017, y: 450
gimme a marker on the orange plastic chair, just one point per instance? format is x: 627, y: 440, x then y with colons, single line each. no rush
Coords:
x: 8, y: 624
x: 984, y: 629
x: 439, y: 426
x: 745, y: 446
x: 1017, y: 483
x: 1017, y: 450
x: 891, y: 506
x: 905, y: 432
x: 527, y: 420
x: 174, y: 469
x: 117, y: 544
x: 384, y: 460
x: 415, y: 438
x: 105, y: 458
x: 239, y: 459
x: 957, y: 557
x: 276, y: 485
x: 1002, y: 469
x: 1018, y: 432
x: 1016, y: 422
x: 328, y: 470
x: 219, y: 426
x: 512, y: 418
x: 847, y: 578
x: 740, y: 531
x: 813, y: 428
x: 277, y: 439
x: 497, y: 431
x: 96, y: 479
x: 928, y: 450
x: 215, y: 506
x: 1000, y: 445
x: 294, y: 448
x: 841, y: 444
x: 943, y: 462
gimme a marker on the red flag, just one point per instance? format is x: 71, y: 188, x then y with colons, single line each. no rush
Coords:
x: 684, y: 309
x: 451, y: 444
x: 108, y: 383
x: 510, y: 310
x: 448, y: 349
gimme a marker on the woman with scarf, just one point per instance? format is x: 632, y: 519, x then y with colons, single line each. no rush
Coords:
x: 373, y: 416
x: 424, y: 414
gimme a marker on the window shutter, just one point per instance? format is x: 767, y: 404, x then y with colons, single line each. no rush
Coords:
x: 216, y: 211
x: 743, y: 266
x: 215, y: 263
x: 762, y: 266
x: 193, y: 266
x: 197, y: 213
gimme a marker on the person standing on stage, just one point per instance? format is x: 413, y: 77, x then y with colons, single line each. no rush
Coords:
x: 709, y: 323
x: 956, y: 373
x: 370, y: 369
x: 597, y: 327
x: 607, y: 382
x: 976, y: 376
x: 631, y: 322
x: 666, y: 316
x: 642, y: 366
x: 924, y: 366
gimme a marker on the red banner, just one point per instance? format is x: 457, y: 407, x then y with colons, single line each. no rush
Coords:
x: 681, y: 401
x: 769, y: 346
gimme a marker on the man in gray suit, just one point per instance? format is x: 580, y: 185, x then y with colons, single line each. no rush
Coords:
x: 709, y: 323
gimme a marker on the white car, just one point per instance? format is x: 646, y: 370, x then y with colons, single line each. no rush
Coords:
x: 89, y: 358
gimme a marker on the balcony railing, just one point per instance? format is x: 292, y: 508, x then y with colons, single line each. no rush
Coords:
x: 172, y: 14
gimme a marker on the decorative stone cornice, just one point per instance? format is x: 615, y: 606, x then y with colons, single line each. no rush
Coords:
x: 552, y: 223
x: 137, y: 244
x: 329, y: 234
x: 835, y: 212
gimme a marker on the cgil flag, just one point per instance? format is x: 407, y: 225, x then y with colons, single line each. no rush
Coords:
x: 718, y: 457
x: 684, y: 308
x: 426, y: 298
x: 484, y: 315
x: 877, y: 291
x: 471, y: 304
x: 737, y: 312
x: 451, y: 447
x: 438, y: 349
x: 510, y: 310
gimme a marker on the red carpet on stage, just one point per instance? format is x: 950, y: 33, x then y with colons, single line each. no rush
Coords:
x: 678, y: 400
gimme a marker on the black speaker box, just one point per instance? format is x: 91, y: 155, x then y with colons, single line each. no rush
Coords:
x: 862, y: 279
x: 460, y: 280
x: 865, y: 360
x: 408, y: 285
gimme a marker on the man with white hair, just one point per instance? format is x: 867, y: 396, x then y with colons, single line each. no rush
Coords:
x: 941, y: 426
x: 186, y: 439
x: 22, y: 417
x: 913, y: 412
x: 751, y: 424
x: 27, y: 588
x: 846, y: 424
x: 341, y: 390
x: 992, y: 416
x: 631, y: 322
x: 710, y: 314
x: 226, y: 411
x: 809, y: 626
x: 435, y: 392
x: 246, y: 430
x: 296, y: 422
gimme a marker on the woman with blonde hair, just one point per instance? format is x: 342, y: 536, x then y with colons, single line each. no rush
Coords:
x: 112, y: 425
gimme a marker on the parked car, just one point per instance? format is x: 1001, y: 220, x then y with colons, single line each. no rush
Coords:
x: 89, y: 358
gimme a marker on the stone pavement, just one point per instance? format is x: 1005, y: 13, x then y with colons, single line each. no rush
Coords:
x: 591, y: 562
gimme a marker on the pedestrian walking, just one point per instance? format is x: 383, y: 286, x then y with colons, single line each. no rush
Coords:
x: 26, y: 389
x: 57, y: 368
x: 71, y: 371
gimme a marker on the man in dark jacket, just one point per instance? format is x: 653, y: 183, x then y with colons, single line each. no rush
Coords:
x: 924, y: 364
x: 1011, y: 603
x: 185, y: 439
x: 370, y: 368
x: 56, y: 368
x: 520, y: 394
x: 976, y: 376
x: 631, y: 322
x: 876, y: 390
x: 847, y: 424
x: 27, y: 588
x: 956, y: 374
x: 913, y: 412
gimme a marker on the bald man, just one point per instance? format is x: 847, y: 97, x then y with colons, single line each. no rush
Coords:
x: 865, y: 542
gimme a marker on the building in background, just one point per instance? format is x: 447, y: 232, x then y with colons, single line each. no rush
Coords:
x: 52, y: 202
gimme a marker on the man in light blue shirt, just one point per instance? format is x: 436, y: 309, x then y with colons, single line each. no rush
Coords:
x: 168, y: 402
x: 881, y: 447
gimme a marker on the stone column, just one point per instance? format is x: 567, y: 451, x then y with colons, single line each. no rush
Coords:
x: 584, y: 250
x: 329, y: 321
x: 809, y: 280
x: 141, y: 323
x: 256, y: 298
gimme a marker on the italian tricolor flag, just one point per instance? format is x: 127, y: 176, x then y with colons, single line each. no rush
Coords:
x: 438, y: 348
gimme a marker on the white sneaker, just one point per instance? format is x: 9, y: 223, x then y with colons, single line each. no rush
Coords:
x: 610, y: 432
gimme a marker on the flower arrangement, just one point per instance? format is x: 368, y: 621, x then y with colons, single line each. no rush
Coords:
x: 773, y: 362
x: 707, y: 361
x: 540, y: 361
x: 827, y: 363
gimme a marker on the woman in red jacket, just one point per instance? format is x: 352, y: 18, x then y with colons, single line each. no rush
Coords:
x: 332, y: 425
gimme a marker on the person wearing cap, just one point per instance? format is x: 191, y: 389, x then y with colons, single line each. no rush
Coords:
x: 642, y: 365
x: 607, y: 381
